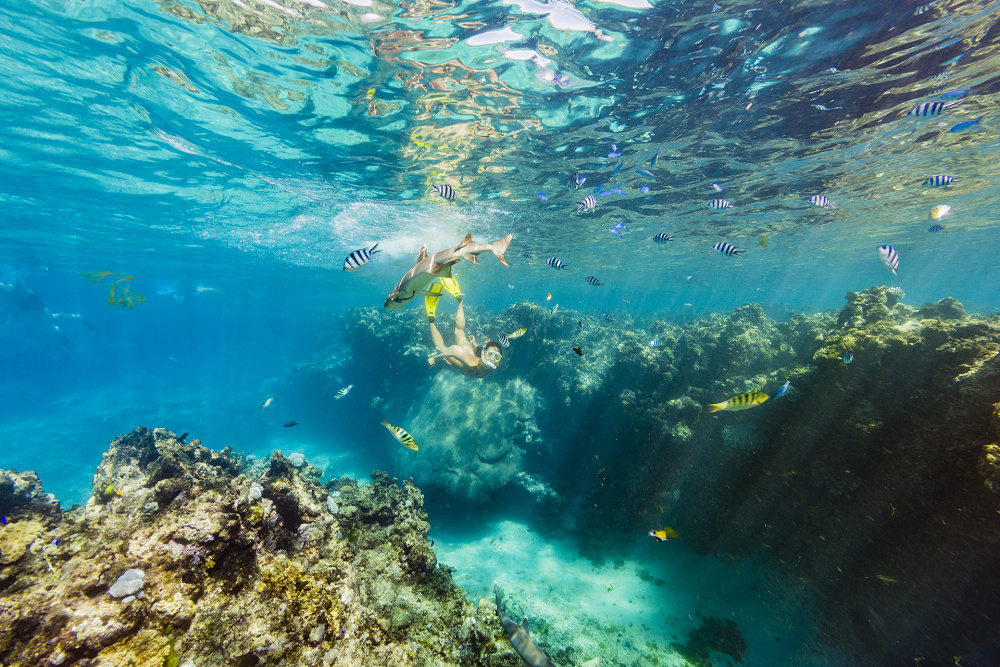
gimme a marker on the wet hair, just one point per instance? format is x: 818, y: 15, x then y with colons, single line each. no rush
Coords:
x: 495, y: 344
x: 479, y: 350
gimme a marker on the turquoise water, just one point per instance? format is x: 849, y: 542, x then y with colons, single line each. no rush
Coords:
x: 228, y: 157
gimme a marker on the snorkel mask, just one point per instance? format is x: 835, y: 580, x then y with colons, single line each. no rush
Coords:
x: 491, y: 355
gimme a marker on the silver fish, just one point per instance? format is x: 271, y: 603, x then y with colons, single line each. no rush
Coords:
x: 359, y: 258
x: 727, y: 249
x: 589, y: 203
x: 889, y: 257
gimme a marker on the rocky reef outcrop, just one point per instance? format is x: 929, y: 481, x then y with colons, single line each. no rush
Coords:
x: 876, y: 478
x: 189, y: 557
x: 468, y: 430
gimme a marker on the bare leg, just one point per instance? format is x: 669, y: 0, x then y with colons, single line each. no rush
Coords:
x: 438, y: 339
x: 460, y: 338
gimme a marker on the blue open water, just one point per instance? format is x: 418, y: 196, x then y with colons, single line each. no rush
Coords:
x: 228, y: 156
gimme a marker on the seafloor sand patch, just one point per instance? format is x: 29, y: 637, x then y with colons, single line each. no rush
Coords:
x: 628, y: 611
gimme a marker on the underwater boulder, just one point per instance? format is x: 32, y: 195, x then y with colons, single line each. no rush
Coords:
x: 465, y: 430
x: 948, y: 308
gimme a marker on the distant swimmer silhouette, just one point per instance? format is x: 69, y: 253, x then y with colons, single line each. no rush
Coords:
x: 27, y: 302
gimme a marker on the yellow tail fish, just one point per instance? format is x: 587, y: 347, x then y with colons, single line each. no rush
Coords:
x: 517, y: 334
x: 663, y: 534
x: 741, y: 402
x: 405, y: 439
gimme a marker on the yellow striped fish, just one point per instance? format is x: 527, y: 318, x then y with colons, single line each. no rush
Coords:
x: 517, y: 334
x: 405, y: 439
x: 741, y: 402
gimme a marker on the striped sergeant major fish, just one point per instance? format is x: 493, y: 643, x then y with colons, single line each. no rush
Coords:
x: 720, y: 204
x: 654, y: 342
x: 889, y: 257
x: 343, y: 392
x: 591, y: 280
x: 404, y: 438
x: 821, y: 200
x: 503, y: 340
x: 576, y: 180
x: 446, y: 191
x: 663, y: 237
x: 940, y: 181
x: 742, y: 402
x: 727, y: 249
x: 847, y: 358
x: 438, y: 265
x: 556, y: 263
x: 359, y: 258
x: 607, y: 316
x: 589, y: 203
x: 934, y: 229
x: 932, y: 108
x: 520, y: 636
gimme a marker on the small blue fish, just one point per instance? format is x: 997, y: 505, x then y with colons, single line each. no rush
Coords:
x: 644, y: 189
x: 964, y: 125
x: 598, y: 188
x: 954, y: 94
x: 614, y: 172
x: 536, y: 326
x: 289, y: 424
x: 618, y: 191
x: 621, y: 225
x: 3, y: 520
x: 576, y: 180
x: 614, y: 154
x: 526, y: 255
x: 604, y: 193
x: 615, y: 232
x: 781, y: 390
x: 614, y: 147
x: 717, y: 187
x: 847, y: 358
x: 656, y: 157
x: 646, y: 172
x: 934, y: 229
x: 542, y: 196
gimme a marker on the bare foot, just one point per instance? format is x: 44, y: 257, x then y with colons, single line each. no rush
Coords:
x: 431, y: 361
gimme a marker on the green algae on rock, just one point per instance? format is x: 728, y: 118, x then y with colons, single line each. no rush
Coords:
x: 230, y: 578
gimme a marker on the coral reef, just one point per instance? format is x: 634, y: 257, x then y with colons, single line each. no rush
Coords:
x: 873, y: 471
x: 188, y: 556
x: 713, y: 635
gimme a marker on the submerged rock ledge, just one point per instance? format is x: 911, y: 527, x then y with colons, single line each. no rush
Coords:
x: 193, y: 558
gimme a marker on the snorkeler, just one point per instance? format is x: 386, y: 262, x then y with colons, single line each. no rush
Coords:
x: 474, y: 361
x: 27, y: 301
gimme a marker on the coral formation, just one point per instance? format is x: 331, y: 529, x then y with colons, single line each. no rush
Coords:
x: 877, y: 468
x: 188, y: 565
